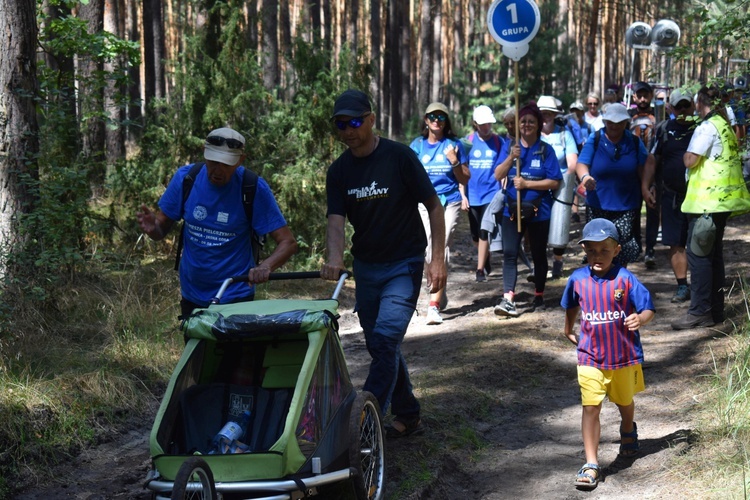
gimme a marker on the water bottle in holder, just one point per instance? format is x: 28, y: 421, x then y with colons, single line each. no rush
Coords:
x: 227, y: 440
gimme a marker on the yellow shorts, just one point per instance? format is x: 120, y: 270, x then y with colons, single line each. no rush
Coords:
x: 618, y: 385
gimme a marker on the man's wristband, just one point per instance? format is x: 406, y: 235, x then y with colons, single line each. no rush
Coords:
x: 457, y: 164
x: 584, y: 176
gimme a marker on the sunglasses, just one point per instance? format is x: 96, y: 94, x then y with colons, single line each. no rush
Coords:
x: 682, y: 105
x: 433, y: 117
x: 217, y: 140
x: 352, y: 122
x: 618, y: 151
x: 592, y: 103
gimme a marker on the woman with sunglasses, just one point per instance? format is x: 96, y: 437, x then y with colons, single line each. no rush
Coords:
x: 445, y: 160
x: 592, y: 115
x: 539, y: 173
x: 610, y: 168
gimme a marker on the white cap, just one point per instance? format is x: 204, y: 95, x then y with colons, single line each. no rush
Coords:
x: 223, y: 153
x: 483, y: 114
x: 548, y: 103
x: 615, y: 112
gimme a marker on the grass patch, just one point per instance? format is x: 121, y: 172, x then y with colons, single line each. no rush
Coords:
x: 73, y: 372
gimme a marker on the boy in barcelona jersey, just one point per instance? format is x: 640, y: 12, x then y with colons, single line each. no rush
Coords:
x: 611, y: 305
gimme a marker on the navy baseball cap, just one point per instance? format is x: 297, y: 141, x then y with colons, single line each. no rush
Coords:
x: 643, y: 86
x: 351, y: 103
x: 599, y: 230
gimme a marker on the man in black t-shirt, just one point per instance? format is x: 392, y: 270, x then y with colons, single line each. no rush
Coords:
x: 671, y: 140
x: 378, y: 184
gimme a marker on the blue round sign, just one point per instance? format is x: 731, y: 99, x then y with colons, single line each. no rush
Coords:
x: 513, y: 23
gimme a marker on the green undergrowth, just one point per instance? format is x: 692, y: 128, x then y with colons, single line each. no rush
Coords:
x: 718, y: 464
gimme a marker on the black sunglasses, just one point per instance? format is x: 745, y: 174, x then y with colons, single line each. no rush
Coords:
x: 217, y: 140
x: 352, y: 122
x: 618, y: 150
x: 682, y: 105
x: 434, y: 117
x: 592, y: 103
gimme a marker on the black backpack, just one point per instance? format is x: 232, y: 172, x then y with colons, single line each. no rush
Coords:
x: 249, y: 186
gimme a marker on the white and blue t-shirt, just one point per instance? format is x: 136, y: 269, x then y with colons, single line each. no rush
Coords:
x: 438, y: 167
x: 483, y: 156
x: 217, y: 241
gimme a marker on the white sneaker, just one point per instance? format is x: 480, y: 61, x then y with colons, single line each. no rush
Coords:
x: 433, y: 316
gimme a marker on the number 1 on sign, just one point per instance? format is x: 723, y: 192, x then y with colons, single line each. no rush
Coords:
x: 513, y: 13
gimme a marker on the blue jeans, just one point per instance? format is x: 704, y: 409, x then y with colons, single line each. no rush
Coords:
x: 386, y: 295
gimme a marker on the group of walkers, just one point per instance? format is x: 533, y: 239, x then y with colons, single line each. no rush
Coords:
x: 404, y: 203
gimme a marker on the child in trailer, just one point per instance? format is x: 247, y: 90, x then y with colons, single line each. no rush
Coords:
x: 613, y: 305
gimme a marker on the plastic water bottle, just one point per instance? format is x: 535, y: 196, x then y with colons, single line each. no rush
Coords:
x: 226, y: 439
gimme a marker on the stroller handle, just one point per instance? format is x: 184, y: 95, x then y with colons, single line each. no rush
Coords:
x: 299, y: 275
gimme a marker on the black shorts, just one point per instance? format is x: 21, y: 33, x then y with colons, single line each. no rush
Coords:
x: 674, y: 224
x: 475, y: 222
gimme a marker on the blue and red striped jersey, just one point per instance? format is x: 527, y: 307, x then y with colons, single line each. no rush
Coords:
x: 605, y: 342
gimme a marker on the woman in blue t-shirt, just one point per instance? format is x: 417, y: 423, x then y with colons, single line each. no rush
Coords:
x: 446, y: 163
x: 539, y: 173
x: 609, y: 168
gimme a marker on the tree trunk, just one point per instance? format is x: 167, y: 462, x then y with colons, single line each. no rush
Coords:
x: 19, y: 139
x: 134, y: 109
x: 589, y: 59
x: 426, y: 59
x: 270, y: 44
x: 114, y: 135
x: 375, y: 53
x: 91, y: 99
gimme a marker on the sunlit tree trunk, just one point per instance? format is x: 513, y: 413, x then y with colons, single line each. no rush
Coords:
x: 425, y: 53
x: 19, y: 135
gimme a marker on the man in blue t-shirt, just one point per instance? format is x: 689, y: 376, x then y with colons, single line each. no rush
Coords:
x: 217, y: 234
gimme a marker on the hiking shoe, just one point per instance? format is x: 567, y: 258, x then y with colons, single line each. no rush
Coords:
x: 443, y: 300
x: 557, y: 269
x: 682, y: 294
x: 433, y: 316
x: 481, y: 277
x: 575, y: 218
x: 538, y: 304
x: 691, y: 321
x: 530, y: 277
x: 506, y: 308
x: 650, y: 260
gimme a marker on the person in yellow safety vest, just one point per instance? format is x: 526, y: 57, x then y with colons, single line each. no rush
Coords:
x: 716, y: 191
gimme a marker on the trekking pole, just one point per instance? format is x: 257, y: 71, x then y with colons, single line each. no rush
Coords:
x: 518, y: 141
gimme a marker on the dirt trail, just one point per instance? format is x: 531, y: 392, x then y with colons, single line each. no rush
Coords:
x: 511, y: 383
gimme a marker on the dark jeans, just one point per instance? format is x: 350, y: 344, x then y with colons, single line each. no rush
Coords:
x: 386, y: 296
x: 707, y: 273
x: 538, y: 236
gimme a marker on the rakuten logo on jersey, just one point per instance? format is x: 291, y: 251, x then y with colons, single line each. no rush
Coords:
x: 599, y: 318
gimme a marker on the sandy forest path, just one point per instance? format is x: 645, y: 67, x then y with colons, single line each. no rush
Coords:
x: 509, y: 386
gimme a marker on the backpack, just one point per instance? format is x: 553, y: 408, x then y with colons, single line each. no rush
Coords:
x: 249, y: 186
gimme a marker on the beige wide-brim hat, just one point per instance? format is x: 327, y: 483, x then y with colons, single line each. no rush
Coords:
x: 547, y: 103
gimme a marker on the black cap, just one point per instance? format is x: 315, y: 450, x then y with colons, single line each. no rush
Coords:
x: 643, y: 86
x: 351, y: 103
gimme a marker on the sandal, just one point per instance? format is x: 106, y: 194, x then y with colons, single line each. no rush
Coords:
x: 585, y: 479
x: 412, y: 426
x: 629, y: 449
